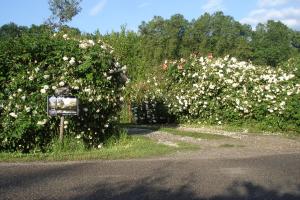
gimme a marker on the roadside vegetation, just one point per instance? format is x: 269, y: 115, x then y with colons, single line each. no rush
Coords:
x: 123, y: 147
x: 210, y: 71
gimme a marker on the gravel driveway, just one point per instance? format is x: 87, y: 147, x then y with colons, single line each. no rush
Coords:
x: 235, y: 145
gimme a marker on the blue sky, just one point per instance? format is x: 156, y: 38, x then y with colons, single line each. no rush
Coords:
x: 108, y: 15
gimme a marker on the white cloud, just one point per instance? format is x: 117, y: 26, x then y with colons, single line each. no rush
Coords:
x: 213, y: 5
x: 267, y: 10
x: 272, y: 3
x: 98, y: 8
x: 143, y: 5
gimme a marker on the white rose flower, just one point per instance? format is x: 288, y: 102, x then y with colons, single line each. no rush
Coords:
x: 27, y: 109
x: 43, y: 91
x: 61, y: 83
x: 91, y: 42
x: 235, y: 85
x: 46, y: 87
x: 30, y: 78
x: 65, y: 36
x: 23, y: 97
x: 83, y: 45
x: 46, y: 76
x: 53, y: 87
x: 14, y: 115
x: 20, y: 90
x: 72, y: 61
x: 65, y: 58
x: 78, y: 136
x: 88, y: 90
x: 41, y: 123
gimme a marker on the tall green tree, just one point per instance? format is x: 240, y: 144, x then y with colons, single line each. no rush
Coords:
x: 296, y: 40
x: 271, y: 43
x: 11, y: 30
x: 153, y: 37
x: 176, y: 28
x: 63, y: 11
x: 127, y: 47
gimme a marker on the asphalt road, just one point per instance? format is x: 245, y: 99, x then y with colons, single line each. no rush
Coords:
x: 271, y: 177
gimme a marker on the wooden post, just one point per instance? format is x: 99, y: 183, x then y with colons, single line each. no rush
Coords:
x: 129, y: 111
x: 61, y: 128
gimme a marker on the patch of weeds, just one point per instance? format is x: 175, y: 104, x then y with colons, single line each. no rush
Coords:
x: 207, y: 136
x: 231, y: 145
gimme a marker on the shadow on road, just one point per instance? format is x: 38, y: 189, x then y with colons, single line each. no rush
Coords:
x: 155, y: 180
x: 146, y: 190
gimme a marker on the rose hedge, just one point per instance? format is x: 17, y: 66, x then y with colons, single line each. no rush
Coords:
x: 45, y: 61
x: 224, y: 90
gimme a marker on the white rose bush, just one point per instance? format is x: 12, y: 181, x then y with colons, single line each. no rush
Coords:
x: 223, y: 90
x: 41, y: 64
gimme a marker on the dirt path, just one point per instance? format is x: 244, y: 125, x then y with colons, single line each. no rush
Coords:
x: 235, y: 145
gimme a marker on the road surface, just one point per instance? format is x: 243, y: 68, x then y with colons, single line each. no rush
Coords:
x: 268, y: 177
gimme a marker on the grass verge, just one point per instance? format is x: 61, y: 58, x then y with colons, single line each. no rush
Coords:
x: 129, y: 147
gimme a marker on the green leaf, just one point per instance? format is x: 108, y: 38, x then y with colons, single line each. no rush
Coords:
x: 90, y: 76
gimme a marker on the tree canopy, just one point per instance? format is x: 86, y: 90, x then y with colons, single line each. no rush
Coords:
x: 63, y: 11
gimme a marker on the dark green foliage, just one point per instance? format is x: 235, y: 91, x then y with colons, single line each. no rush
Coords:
x: 151, y: 111
x: 272, y: 43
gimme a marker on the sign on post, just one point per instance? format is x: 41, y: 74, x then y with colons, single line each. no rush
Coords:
x: 62, y: 105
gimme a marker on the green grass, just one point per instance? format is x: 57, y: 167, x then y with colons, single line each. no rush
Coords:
x: 126, y: 148
x: 251, y: 127
x: 197, y: 135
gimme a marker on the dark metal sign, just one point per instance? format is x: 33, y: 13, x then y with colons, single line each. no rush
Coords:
x: 62, y: 105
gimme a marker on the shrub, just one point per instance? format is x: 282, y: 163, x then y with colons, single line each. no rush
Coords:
x: 225, y: 90
x: 44, y: 61
x: 147, y: 101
